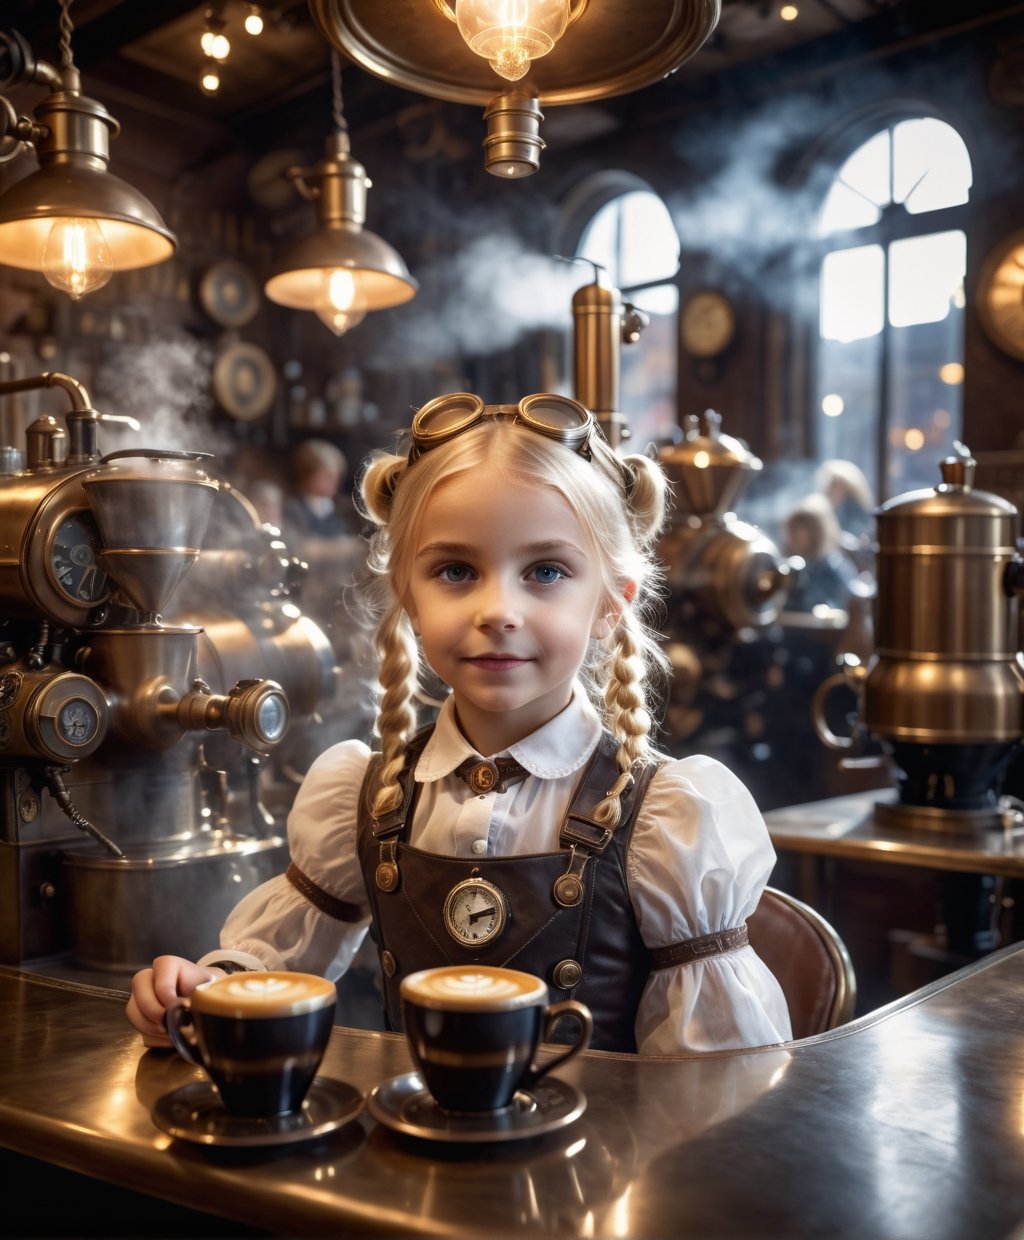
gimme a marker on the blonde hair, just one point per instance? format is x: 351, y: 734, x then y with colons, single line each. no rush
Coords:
x: 621, y: 504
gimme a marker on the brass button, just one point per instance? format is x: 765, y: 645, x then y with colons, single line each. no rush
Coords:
x: 389, y: 964
x: 567, y: 974
x: 568, y: 890
x: 482, y: 777
x: 387, y: 876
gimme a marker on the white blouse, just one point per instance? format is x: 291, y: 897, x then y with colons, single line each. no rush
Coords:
x: 699, y: 858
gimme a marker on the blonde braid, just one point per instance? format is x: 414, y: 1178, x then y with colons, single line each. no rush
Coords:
x: 398, y: 659
x: 626, y: 712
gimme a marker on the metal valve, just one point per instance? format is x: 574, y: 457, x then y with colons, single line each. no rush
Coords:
x: 255, y: 712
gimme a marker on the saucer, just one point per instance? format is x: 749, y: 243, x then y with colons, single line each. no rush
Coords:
x: 404, y: 1105
x: 195, y: 1113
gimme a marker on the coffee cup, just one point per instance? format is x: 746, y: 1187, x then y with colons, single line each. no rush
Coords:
x: 473, y: 1033
x: 259, y: 1037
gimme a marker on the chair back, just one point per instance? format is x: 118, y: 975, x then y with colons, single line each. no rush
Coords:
x: 808, y: 958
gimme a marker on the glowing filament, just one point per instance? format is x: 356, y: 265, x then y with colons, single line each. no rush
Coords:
x: 76, y: 257
x: 511, y: 33
x: 338, y: 307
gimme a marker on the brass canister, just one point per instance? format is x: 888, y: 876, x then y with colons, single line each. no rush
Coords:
x: 947, y: 669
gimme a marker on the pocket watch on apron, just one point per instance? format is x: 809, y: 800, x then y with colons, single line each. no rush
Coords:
x: 475, y: 912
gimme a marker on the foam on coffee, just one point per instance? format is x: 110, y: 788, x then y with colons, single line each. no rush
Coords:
x: 470, y: 987
x: 264, y: 994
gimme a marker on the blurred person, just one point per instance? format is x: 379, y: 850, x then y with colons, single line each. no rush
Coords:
x: 812, y: 532
x: 848, y: 491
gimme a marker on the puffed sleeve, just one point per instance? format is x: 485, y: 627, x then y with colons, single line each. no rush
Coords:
x: 275, y: 923
x: 698, y: 861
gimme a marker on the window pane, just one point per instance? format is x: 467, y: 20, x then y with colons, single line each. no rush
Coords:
x: 860, y: 190
x: 926, y: 275
x: 925, y: 400
x: 633, y: 238
x: 848, y: 401
x: 852, y: 300
x: 648, y: 379
x: 931, y: 166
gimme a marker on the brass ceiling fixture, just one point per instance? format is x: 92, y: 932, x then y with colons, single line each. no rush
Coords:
x: 342, y: 270
x: 558, y: 51
x: 72, y: 219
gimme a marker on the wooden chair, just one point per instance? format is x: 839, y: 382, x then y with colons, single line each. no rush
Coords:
x: 809, y: 959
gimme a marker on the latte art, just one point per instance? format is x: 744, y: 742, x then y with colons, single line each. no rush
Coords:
x: 469, y: 987
x: 264, y: 994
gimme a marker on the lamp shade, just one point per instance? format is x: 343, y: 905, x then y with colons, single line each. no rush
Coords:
x: 134, y: 232
x: 380, y: 276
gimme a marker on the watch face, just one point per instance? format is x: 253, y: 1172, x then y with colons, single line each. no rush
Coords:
x: 74, y: 563
x: 77, y: 722
x: 707, y: 324
x: 475, y: 912
x: 1001, y: 295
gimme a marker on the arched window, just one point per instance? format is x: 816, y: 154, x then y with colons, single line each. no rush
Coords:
x: 631, y: 235
x: 890, y: 346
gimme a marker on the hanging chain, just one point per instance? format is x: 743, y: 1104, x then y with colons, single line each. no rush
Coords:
x: 337, y: 111
x: 66, y: 27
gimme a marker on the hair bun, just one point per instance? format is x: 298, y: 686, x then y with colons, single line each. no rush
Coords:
x: 378, y: 483
x: 647, y: 492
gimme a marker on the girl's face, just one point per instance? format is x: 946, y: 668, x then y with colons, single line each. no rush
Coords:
x: 505, y: 597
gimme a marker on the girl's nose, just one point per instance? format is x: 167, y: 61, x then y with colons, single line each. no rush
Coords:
x: 497, y: 608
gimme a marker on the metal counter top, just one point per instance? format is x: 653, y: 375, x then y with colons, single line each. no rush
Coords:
x: 845, y: 827
x: 906, y: 1123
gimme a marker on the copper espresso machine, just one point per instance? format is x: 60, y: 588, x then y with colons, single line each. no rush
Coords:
x: 129, y: 763
x: 728, y: 581
x: 944, y: 691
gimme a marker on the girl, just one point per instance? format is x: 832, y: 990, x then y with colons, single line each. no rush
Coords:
x: 534, y: 825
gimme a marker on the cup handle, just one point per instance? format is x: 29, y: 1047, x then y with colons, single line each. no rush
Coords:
x: 182, y: 1031
x: 567, y: 1007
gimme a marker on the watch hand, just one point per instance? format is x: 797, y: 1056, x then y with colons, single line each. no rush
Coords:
x: 484, y: 912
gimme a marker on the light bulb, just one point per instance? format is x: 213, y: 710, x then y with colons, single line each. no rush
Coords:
x: 209, y: 80
x: 511, y: 33
x: 254, y: 21
x: 217, y: 46
x: 337, y: 306
x: 76, y: 257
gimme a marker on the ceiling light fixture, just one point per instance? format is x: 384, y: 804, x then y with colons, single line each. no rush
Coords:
x: 253, y: 20
x: 72, y: 219
x: 341, y: 271
x: 558, y: 52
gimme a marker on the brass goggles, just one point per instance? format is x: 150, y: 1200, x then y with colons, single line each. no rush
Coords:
x: 556, y: 417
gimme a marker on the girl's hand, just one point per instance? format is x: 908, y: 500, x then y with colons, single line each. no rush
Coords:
x: 155, y: 990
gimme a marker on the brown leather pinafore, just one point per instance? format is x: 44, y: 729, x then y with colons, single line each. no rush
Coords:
x: 569, y: 915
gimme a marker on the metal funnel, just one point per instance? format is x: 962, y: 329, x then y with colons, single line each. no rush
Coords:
x: 152, y: 508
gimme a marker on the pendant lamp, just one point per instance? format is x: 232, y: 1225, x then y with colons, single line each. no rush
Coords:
x: 72, y: 219
x: 341, y: 271
x: 552, y: 52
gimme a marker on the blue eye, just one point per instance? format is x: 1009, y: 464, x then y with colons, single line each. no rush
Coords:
x: 547, y: 574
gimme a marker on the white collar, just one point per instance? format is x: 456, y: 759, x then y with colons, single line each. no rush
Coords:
x: 555, y: 750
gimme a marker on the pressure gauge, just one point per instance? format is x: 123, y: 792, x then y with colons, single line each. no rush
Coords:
x: 74, y: 560
x: 63, y: 717
x: 77, y: 721
x: 475, y: 912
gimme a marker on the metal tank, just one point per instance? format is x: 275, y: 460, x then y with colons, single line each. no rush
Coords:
x: 944, y: 690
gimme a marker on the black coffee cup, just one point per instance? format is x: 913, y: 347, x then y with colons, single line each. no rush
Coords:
x: 473, y: 1033
x: 259, y: 1037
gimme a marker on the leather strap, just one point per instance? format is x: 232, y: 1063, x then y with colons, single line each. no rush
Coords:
x: 340, y: 910
x: 716, y: 944
x: 484, y: 775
